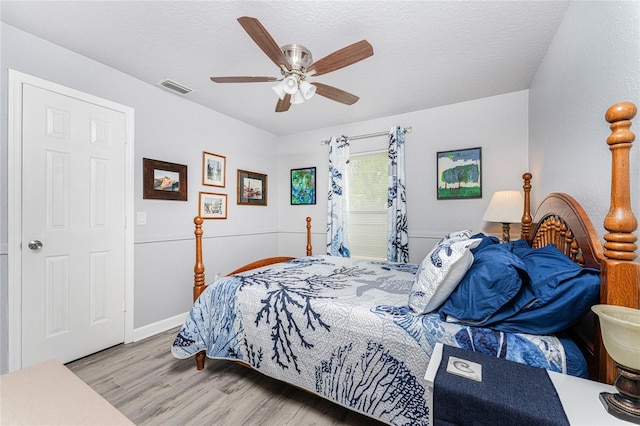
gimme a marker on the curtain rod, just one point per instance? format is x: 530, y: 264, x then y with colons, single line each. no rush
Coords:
x: 368, y: 135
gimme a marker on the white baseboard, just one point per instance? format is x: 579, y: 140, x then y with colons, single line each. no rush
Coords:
x: 158, y: 327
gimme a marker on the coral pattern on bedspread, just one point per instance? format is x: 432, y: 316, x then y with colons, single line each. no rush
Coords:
x: 341, y: 328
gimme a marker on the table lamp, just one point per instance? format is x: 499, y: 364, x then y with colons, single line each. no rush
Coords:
x: 621, y: 337
x: 505, y: 207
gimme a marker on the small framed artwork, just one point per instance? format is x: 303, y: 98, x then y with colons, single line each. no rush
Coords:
x: 303, y: 186
x: 459, y: 174
x: 252, y: 188
x: 214, y: 169
x: 212, y: 205
x: 164, y: 181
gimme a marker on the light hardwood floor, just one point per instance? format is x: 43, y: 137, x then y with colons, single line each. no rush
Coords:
x: 149, y: 386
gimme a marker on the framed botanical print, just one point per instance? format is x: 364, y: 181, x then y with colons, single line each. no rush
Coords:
x: 163, y: 180
x: 252, y: 188
x: 212, y: 205
x: 303, y: 186
x: 214, y: 169
x: 459, y: 174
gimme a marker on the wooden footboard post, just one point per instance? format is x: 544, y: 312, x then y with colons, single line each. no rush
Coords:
x: 309, y: 248
x: 200, y: 356
x: 620, y: 274
x: 525, y: 226
x: 198, y: 278
x: 198, y: 269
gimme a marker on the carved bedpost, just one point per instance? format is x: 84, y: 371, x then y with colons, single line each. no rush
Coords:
x: 620, y: 221
x: 309, y: 248
x: 620, y: 274
x: 620, y: 246
x: 198, y: 278
x: 198, y: 269
x: 525, y: 227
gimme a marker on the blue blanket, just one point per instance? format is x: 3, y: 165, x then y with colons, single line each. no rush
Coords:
x: 341, y: 328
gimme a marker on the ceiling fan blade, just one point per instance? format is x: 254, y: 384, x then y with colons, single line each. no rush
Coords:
x: 242, y: 79
x: 263, y: 39
x: 335, y: 94
x: 342, y: 58
x: 284, y: 104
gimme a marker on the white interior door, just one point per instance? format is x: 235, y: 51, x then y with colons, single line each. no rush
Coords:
x: 73, y: 226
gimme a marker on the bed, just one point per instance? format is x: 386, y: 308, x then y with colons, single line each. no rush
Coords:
x: 360, y: 333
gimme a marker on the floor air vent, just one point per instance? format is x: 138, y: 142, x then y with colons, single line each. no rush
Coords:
x: 176, y: 87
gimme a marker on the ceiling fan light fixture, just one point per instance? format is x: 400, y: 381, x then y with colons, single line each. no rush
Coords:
x: 290, y: 84
x: 307, y: 89
x: 296, y: 64
x: 279, y: 89
x: 297, y: 97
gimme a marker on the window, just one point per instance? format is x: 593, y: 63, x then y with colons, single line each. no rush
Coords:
x: 367, y: 204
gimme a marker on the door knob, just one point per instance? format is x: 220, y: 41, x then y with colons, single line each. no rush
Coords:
x: 35, y: 244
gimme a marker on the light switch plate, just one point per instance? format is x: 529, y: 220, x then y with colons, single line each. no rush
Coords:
x: 141, y: 218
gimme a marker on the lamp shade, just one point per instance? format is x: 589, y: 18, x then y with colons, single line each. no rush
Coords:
x: 290, y: 85
x: 279, y: 89
x: 307, y: 89
x: 505, y: 207
x: 620, y: 333
x: 297, y: 98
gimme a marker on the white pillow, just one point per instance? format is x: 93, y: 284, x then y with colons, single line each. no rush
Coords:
x: 440, y: 272
x: 464, y: 234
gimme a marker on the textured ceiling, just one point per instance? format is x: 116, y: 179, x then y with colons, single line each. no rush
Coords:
x: 426, y: 53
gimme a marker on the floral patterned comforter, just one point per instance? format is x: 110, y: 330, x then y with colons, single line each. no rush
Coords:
x: 341, y: 328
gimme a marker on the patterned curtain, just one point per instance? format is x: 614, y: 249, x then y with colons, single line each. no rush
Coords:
x: 398, y: 240
x: 337, y: 217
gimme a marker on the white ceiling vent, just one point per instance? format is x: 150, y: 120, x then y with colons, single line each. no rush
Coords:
x: 176, y: 87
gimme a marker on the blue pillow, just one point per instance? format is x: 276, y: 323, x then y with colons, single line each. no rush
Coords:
x: 491, y: 290
x: 487, y: 240
x: 564, y: 292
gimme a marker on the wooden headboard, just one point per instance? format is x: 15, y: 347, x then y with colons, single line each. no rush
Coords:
x: 560, y: 220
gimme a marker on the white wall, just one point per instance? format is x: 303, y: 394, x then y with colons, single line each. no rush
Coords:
x: 592, y: 63
x: 497, y: 124
x: 167, y: 128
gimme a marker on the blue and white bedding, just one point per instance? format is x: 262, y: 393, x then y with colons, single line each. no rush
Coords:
x: 342, y: 328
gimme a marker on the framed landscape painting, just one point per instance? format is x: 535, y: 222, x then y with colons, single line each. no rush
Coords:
x: 459, y: 174
x: 163, y: 180
x: 252, y: 188
x: 213, y: 169
x: 303, y: 186
x: 212, y: 205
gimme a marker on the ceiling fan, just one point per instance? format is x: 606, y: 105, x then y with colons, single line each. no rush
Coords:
x: 296, y: 65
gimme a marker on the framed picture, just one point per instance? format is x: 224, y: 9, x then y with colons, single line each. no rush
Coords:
x: 459, y: 174
x: 214, y: 169
x: 212, y: 205
x: 252, y: 188
x: 163, y: 181
x: 303, y: 186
